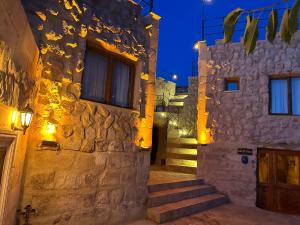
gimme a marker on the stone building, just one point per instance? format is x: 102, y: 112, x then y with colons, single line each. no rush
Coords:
x: 248, y: 122
x: 87, y: 69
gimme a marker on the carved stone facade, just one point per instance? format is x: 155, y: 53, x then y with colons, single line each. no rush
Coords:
x: 241, y: 119
x: 99, y: 174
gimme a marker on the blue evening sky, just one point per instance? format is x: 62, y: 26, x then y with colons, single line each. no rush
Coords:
x: 180, y: 27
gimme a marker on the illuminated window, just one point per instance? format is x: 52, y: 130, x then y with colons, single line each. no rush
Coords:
x: 232, y: 84
x: 285, y: 96
x: 107, y: 79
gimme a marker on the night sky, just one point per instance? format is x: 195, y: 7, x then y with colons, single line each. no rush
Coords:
x: 180, y: 27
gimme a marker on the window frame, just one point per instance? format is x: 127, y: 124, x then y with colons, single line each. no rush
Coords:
x: 228, y: 80
x: 112, y: 59
x: 290, y: 101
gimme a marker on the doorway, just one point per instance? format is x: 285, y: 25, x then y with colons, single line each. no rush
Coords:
x: 154, y: 144
x: 7, y: 148
x: 278, y: 180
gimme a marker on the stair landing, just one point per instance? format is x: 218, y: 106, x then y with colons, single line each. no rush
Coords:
x: 159, y: 176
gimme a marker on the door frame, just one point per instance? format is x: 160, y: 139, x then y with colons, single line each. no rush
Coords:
x: 8, y: 163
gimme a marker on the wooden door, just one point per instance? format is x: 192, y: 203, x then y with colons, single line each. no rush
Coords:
x: 278, y: 180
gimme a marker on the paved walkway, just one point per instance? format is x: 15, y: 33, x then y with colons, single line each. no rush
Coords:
x: 231, y: 214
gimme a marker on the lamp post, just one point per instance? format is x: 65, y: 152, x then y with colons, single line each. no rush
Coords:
x: 203, y: 2
x: 194, y: 58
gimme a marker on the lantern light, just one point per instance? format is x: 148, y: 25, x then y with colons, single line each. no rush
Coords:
x: 26, y: 117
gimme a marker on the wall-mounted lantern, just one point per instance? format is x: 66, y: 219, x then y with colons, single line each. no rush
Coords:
x: 26, y: 117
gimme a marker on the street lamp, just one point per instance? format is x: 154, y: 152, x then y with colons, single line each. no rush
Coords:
x: 203, y: 14
x: 174, y: 77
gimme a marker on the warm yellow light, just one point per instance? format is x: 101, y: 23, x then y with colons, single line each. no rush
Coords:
x: 174, y: 123
x: 183, y: 132
x: 14, y: 117
x: 48, y: 132
x: 26, y: 116
x: 50, y: 129
x: 203, y: 138
x: 196, y: 46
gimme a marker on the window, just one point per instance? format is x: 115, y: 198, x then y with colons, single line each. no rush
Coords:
x: 285, y: 96
x: 232, y: 84
x: 107, y: 79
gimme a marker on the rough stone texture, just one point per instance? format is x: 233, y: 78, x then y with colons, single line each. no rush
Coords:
x: 240, y: 119
x: 187, y: 116
x: 99, y: 175
x: 164, y: 91
x: 16, y: 87
x: 18, y: 84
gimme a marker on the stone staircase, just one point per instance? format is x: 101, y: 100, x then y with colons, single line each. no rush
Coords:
x: 170, y: 201
x: 178, y: 100
x: 182, y: 155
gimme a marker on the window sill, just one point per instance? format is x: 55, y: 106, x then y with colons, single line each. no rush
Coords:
x: 111, y: 107
x: 283, y: 115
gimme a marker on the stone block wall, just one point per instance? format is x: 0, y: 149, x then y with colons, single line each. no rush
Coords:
x: 99, y: 174
x: 164, y: 90
x: 18, y: 85
x: 188, y: 115
x: 240, y: 119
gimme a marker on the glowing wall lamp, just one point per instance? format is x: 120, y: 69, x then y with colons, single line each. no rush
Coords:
x: 203, y: 138
x: 26, y: 117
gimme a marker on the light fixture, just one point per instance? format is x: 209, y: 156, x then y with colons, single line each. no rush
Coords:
x: 174, y: 77
x: 203, y: 138
x: 26, y: 117
x: 196, y: 45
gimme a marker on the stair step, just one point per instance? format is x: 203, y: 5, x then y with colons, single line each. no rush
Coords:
x: 178, y: 194
x: 176, y: 104
x: 181, y: 162
x: 182, y: 145
x: 181, y: 169
x: 173, y: 185
x: 183, y: 140
x: 181, y: 156
x: 172, y: 211
x: 185, y: 151
x: 177, y: 100
x: 179, y: 96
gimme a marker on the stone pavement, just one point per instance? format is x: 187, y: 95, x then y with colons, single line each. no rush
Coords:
x: 231, y: 214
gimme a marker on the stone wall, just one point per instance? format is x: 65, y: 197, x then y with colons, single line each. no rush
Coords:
x: 18, y: 85
x: 99, y: 174
x: 164, y: 90
x: 188, y: 115
x: 240, y: 119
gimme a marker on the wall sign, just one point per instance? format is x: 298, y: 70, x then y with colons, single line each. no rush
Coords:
x: 245, y: 151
